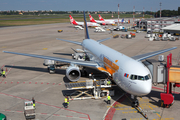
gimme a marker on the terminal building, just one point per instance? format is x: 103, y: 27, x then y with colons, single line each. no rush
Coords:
x: 155, y: 24
x: 172, y: 29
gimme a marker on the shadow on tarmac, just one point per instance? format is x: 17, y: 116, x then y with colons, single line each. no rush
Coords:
x: 156, y: 94
x: 58, y: 71
x: 66, y: 54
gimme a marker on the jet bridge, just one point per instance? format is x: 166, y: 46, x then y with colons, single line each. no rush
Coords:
x: 163, y: 72
x: 89, y: 89
x: 157, y: 69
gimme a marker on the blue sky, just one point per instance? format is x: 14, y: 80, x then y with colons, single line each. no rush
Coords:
x: 88, y: 5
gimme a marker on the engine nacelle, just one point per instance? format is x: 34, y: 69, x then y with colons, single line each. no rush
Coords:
x: 73, y: 73
x: 103, y: 23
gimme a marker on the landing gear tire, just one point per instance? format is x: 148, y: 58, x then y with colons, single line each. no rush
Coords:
x: 135, y: 103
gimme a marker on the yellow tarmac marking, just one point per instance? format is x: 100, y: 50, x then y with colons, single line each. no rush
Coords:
x: 3, y: 47
x: 164, y: 119
x: 136, y: 118
x: 45, y: 48
x: 156, y: 113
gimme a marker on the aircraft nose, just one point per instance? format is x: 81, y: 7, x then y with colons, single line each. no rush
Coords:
x: 146, y: 88
x: 143, y: 88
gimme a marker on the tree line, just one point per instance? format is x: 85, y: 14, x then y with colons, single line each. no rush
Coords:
x: 168, y: 13
x: 164, y: 13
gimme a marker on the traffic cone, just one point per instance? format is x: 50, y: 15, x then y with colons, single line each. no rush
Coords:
x: 6, y: 70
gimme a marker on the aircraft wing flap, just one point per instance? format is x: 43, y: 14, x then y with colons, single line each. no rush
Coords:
x: 65, y: 60
x: 151, y: 54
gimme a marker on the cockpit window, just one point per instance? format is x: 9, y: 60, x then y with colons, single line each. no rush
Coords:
x: 147, y: 77
x: 135, y: 77
x: 140, y: 78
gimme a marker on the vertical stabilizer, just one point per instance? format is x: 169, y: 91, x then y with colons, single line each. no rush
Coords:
x: 72, y: 20
x: 85, y: 27
x: 92, y: 19
x: 100, y: 18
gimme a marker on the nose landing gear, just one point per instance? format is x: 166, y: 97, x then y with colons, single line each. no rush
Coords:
x: 135, y: 104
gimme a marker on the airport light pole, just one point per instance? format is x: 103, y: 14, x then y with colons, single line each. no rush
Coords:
x: 143, y: 12
x: 151, y: 12
x: 133, y: 14
x: 118, y: 14
x: 160, y: 9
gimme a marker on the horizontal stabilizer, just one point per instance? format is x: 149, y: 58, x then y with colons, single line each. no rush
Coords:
x: 78, y: 43
x: 103, y: 40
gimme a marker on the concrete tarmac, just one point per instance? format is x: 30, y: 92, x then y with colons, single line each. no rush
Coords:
x: 27, y: 77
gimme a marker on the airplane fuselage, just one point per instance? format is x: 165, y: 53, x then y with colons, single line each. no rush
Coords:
x: 89, y: 24
x: 130, y: 75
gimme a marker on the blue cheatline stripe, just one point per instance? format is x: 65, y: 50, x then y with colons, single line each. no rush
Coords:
x: 86, y: 28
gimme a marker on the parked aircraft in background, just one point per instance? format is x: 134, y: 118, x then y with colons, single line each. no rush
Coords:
x: 129, y: 73
x: 96, y: 21
x: 115, y: 20
x: 110, y: 22
x: 89, y: 24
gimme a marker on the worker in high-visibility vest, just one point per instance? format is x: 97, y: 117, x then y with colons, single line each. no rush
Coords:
x: 33, y: 100
x: 3, y: 73
x: 108, y: 99
x: 66, y: 101
x: 108, y: 82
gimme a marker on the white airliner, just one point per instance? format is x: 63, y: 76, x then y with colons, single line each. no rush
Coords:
x: 129, y: 73
x: 96, y: 21
x: 107, y: 21
x: 89, y: 24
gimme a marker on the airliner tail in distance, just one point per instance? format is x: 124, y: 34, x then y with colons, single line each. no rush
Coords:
x: 92, y: 19
x: 100, y: 18
x: 72, y: 20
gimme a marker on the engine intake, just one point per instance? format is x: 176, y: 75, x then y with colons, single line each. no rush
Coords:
x: 73, y: 73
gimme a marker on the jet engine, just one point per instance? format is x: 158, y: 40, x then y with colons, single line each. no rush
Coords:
x: 73, y: 73
x: 103, y: 23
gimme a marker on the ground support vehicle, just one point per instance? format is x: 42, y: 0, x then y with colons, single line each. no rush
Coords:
x: 29, y: 110
x: 89, y: 89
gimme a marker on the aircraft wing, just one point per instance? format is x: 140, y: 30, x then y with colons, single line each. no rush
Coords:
x: 151, y: 54
x: 78, y: 62
x: 75, y: 42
